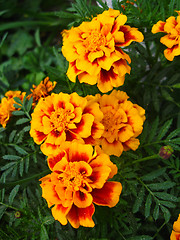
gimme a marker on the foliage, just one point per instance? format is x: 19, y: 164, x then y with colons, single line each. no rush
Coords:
x: 30, y: 49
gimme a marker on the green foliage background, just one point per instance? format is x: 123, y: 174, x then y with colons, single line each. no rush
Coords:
x: 30, y: 49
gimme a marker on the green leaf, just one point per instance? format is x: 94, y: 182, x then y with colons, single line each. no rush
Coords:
x: 139, y: 200
x: 27, y: 164
x: 48, y: 220
x: 154, y: 174
x: 143, y: 237
x: 164, y: 129
x: 29, y: 104
x: 13, y: 194
x: 8, y: 165
x: 168, y: 204
x: 12, y: 135
x: 161, y: 186
x: 165, y: 196
x: 2, y: 210
x: 37, y: 37
x: 177, y: 85
x: 148, y: 205
x: 173, y: 133
x: 11, y: 157
x: 17, y: 106
x: 20, y: 150
x: 153, y: 131
x: 43, y: 234
x: 18, y: 113
x: 22, y: 120
x: 166, y: 212
x: 21, y: 167
x: 156, y: 212
x: 18, y: 100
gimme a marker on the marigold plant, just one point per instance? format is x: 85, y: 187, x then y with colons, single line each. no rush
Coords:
x: 63, y: 117
x: 42, y: 90
x: 7, y: 105
x: 77, y: 182
x: 94, y: 50
x: 172, y: 38
x: 122, y: 121
x: 175, y: 235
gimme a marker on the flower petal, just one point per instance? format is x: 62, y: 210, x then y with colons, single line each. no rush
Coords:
x: 59, y: 213
x: 82, y: 199
x: 108, y: 195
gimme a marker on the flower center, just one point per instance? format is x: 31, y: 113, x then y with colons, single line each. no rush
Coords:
x: 94, y: 41
x: 61, y: 118
x: 71, y: 177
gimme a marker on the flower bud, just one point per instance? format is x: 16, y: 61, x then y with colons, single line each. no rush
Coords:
x: 165, y: 152
x: 17, y: 214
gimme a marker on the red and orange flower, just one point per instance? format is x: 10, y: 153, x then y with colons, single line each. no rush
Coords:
x: 63, y: 117
x: 7, y: 105
x: 122, y: 121
x: 172, y: 38
x: 77, y: 182
x: 175, y: 235
x: 42, y: 90
x: 94, y: 50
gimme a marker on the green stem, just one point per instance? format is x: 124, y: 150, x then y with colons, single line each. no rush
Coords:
x: 147, y: 158
x: 159, y: 229
x: 8, y: 206
x: 3, y: 185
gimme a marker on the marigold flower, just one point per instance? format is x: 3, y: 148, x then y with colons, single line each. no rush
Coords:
x: 172, y: 39
x: 42, y: 90
x: 7, y: 107
x: 175, y: 235
x: 123, y: 122
x: 63, y: 117
x: 94, y: 50
x: 78, y: 180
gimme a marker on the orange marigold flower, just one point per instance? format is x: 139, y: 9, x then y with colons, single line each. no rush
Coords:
x: 94, y: 50
x: 175, y: 235
x: 42, y: 90
x: 78, y: 180
x: 63, y: 117
x: 123, y: 122
x: 172, y: 40
x: 7, y: 107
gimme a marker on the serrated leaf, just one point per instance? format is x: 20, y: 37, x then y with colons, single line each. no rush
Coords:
x: 154, y: 174
x: 153, y: 130
x: 164, y: 129
x: 161, y: 186
x: 174, y: 133
x: 27, y: 164
x: 165, y: 196
x: 48, y: 220
x: 13, y: 194
x: 22, y: 120
x: 156, y: 212
x: 18, y: 113
x: 26, y: 128
x: 20, y: 150
x: 11, y: 157
x: 12, y: 135
x: 2, y: 210
x: 43, y: 234
x: 29, y: 104
x: 17, y: 106
x: 21, y: 168
x: 168, y: 204
x: 8, y: 165
x: 18, y: 100
x: 148, y: 205
x: 166, y: 212
x: 139, y: 200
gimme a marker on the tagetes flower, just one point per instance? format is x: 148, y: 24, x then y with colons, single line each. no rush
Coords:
x: 77, y: 182
x: 94, y: 50
x: 41, y: 90
x: 122, y: 120
x: 7, y: 106
x: 172, y: 40
x: 63, y: 117
x: 175, y: 235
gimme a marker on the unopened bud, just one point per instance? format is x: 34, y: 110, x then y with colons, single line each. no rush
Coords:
x: 165, y: 152
x: 17, y: 214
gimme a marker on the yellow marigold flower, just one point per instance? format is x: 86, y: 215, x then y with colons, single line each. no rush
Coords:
x: 6, y: 106
x: 63, y: 117
x: 172, y: 40
x: 42, y: 90
x: 94, y: 50
x: 123, y: 122
x: 77, y: 182
x: 175, y: 235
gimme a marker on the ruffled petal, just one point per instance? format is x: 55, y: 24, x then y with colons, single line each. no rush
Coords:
x: 108, y: 195
x: 59, y: 213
